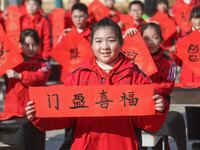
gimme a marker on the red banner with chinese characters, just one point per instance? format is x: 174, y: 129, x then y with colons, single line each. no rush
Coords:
x: 182, y: 17
x: 168, y: 27
x: 58, y: 24
x: 136, y: 50
x: 72, y: 51
x: 9, y: 56
x: 98, y: 9
x: 12, y: 24
x: 91, y: 101
x: 6, y: 116
x: 188, y: 52
x: 127, y: 21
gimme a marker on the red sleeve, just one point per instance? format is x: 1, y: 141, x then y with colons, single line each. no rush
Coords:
x: 166, y: 85
x: 154, y: 122
x: 45, y: 124
x: 116, y: 18
x: 46, y: 40
x: 36, y: 78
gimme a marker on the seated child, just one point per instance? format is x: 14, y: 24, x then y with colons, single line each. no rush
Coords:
x: 136, y: 9
x: 107, y: 67
x: 79, y: 18
x: 186, y: 75
x: 34, y: 20
x: 34, y: 71
x: 163, y: 5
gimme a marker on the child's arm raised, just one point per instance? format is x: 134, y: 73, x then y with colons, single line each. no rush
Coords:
x: 130, y: 31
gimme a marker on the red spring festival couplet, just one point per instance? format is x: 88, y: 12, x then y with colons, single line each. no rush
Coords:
x: 9, y: 56
x: 92, y: 101
x: 136, y: 50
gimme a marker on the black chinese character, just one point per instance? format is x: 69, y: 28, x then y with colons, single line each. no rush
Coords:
x: 131, y: 56
x: 193, y: 58
x: 57, y: 100
x: 79, y: 101
x: 104, y: 100
x: 132, y: 101
x: 193, y: 49
x: 2, y: 52
x: 74, y: 53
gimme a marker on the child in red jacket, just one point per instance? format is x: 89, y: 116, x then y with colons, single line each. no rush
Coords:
x: 107, y: 67
x: 34, y: 71
x: 34, y: 20
x: 164, y: 79
x: 114, y: 14
x: 79, y: 18
x: 186, y: 75
x: 163, y: 5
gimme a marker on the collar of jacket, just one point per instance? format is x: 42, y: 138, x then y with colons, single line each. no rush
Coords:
x: 158, y: 55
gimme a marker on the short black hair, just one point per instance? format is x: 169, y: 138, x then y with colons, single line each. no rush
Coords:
x: 154, y: 25
x: 107, y: 22
x: 195, y: 13
x: 136, y: 3
x: 162, y: 1
x: 29, y: 32
x: 39, y: 1
x: 81, y: 7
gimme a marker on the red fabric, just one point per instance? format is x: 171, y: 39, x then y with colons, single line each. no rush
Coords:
x: 186, y: 75
x: 42, y: 26
x: 164, y: 79
x: 35, y: 72
x: 86, y: 35
x: 178, y: 4
x: 105, y: 132
x: 133, y: 25
x: 115, y: 18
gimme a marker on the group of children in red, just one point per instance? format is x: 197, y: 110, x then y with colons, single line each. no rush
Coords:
x: 108, y: 66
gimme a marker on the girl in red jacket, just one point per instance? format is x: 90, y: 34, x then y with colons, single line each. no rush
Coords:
x: 163, y: 6
x: 34, y: 71
x: 186, y: 75
x: 34, y: 20
x: 107, y: 67
x: 164, y: 79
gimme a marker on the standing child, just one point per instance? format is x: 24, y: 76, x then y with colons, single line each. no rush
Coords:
x: 79, y: 18
x: 186, y: 75
x: 34, y: 20
x: 34, y: 71
x: 163, y: 5
x: 107, y: 67
x: 164, y: 79
x: 114, y: 14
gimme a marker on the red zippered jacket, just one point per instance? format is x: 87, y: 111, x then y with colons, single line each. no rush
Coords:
x: 35, y: 72
x: 164, y: 79
x: 106, y: 133
x: 186, y: 75
x: 42, y: 26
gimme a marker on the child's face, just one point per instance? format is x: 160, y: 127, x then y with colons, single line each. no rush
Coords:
x: 29, y: 47
x: 32, y: 7
x: 152, y: 39
x: 109, y: 3
x: 162, y: 7
x: 196, y: 23
x: 106, y: 45
x: 136, y: 11
x: 79, y: 19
